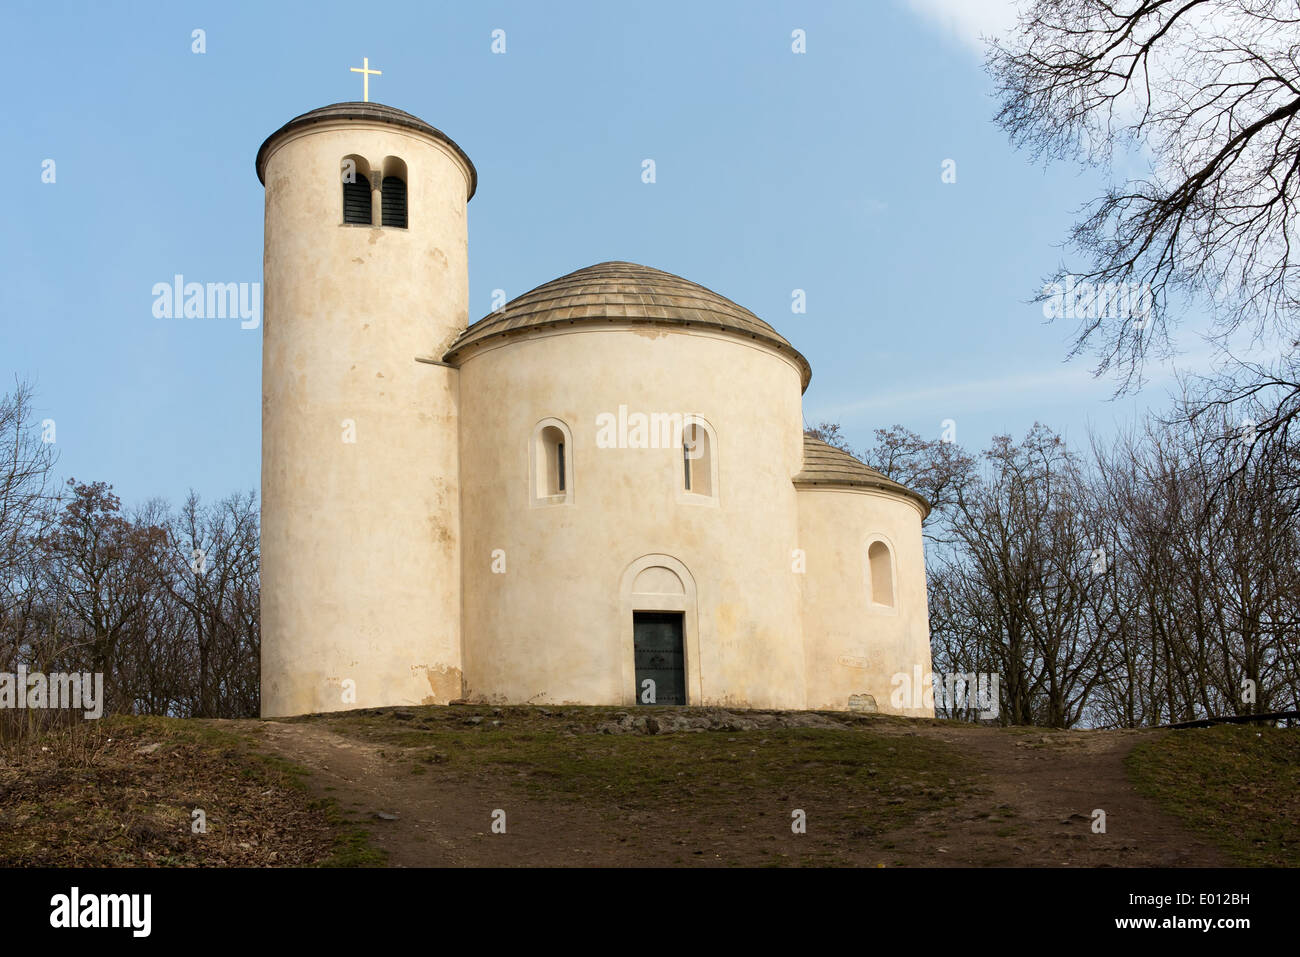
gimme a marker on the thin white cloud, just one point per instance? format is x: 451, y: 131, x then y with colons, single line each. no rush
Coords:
x: 1002, y: 390
x: 1017, y: 389
x: 968, y: 20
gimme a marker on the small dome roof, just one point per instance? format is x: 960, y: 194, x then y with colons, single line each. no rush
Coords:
x: 357, y: 110
x: 624, y: 292
x: 825, y: 465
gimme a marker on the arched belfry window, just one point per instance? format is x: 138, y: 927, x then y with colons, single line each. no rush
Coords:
x: 393, y: 193
x: 880, y: 574
x: 355, y: 174
x: 551, y: 463
x: 699, y: 461
x: 394, y: 202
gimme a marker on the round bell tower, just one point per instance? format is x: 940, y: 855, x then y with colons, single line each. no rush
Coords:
x: 366, y: 284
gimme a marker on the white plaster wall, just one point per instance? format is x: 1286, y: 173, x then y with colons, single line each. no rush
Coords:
x: 556, y: 627
x: 360, y: 542
x: 853, y: 646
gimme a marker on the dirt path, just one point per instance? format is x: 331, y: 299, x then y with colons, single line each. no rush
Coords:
x: 440, y: 821
x: 1045, y: 788
x: 1038, y: 794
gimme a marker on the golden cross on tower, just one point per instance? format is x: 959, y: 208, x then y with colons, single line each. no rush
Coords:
x: 366, y: 73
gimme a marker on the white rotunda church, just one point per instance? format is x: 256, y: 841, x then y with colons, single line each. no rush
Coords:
x: 599, y: 494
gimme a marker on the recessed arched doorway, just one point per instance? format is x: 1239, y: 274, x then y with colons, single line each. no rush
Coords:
x: 661, y: 661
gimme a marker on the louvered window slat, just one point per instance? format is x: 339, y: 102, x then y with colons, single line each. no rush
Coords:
x: 394, y: 202
x: 356, y: 201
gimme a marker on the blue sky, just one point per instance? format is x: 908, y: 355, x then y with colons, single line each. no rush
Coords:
x: 775, y: 171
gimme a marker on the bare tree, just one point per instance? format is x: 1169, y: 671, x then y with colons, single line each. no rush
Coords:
x: 933, y: 467
x: 1206, y: 619
x: 831, y: 434
x: 103, y: 571
x: 26, y: 470
x: 1210, y: 90
x: 214, y: 578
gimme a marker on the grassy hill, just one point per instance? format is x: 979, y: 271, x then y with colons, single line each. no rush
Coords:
x: 1235, y: 785
x: 469, y: 786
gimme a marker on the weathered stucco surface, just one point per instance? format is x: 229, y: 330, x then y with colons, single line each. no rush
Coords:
x: 558, y: 625
x: 360, y: 540
x: 852, y: 645
x: 417, y: 562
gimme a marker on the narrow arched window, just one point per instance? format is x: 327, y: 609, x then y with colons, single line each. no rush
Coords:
x: 880, y: 566
x: 394, y: 202
x: 392, y: 192
x: 552, y: 463
x: 697, y: 459
x: 356, y: 201
x: 356, y: 191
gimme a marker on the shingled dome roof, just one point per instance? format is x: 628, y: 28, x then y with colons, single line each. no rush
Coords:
x: 825, y: 465
x: 616, y: 292
x: 374, y: 112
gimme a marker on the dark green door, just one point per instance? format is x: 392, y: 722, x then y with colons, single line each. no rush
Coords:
x: 657, y: 645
